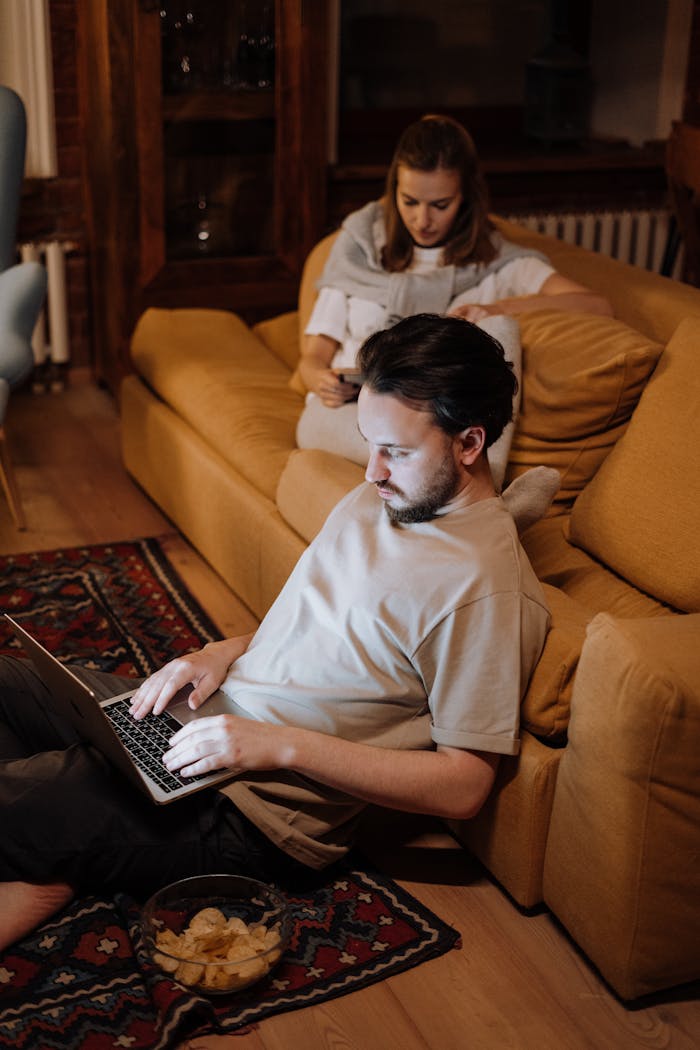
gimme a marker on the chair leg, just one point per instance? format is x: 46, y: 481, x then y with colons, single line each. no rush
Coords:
x: 7, y: 478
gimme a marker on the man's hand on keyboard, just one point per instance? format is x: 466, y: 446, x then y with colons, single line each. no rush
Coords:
x: 204, y: 670
x: 228, y: 742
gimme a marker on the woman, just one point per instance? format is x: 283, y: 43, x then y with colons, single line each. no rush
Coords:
x: 427, y: 247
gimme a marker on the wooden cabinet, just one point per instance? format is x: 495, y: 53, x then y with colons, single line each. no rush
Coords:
x: 205, y: 129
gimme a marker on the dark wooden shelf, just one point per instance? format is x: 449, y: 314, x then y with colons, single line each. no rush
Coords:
x: 219, y: 105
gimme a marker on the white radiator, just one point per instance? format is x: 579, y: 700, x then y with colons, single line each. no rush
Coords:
x: 637, y: 237
x: 50, y: 340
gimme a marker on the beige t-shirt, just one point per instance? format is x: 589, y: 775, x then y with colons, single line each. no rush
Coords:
x: 398, y: 636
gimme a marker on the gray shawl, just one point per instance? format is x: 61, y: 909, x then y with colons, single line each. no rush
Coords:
x: 354, y: 267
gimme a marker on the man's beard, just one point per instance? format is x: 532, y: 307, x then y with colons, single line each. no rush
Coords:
x: 429, y: 501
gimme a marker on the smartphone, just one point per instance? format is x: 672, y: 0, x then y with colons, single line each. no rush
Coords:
x: 350, y: 375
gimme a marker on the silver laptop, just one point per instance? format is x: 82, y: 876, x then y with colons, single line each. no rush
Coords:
x: 135, y: 748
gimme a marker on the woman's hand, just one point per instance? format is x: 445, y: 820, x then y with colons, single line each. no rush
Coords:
x: 226, y: 742
x: 314, y: 366
x: 204, y: 670
x: 475, y: 311
x: 333, y: 391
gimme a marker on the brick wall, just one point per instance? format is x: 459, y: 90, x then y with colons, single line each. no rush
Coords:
x: 55, y: 208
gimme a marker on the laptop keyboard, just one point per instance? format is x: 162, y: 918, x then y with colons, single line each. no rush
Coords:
x: 146, y: 741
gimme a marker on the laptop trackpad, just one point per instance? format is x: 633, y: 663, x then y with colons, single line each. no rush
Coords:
x: 217, y: 704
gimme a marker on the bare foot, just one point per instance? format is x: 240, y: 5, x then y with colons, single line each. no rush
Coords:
x: 26, y: 905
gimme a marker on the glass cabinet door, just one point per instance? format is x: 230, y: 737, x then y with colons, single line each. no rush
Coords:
x: 217, y: 73
x: 230, y: 147
x: 207, y: 163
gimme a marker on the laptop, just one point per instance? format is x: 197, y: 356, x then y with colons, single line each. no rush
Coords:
x: 135, y: 748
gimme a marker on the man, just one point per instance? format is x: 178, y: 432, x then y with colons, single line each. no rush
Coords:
x: 390, y: 669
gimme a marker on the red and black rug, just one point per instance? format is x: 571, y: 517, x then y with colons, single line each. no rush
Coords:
x: 83, y: 979
x: 83, y: 982
x: 118, y: 607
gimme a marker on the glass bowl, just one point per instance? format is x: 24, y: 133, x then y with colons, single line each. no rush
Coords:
x: 216, y: 933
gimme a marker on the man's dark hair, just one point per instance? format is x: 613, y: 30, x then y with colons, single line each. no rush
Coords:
x: 446, y: 366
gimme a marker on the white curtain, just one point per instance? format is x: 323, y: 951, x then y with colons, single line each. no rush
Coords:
x: 26, y: 66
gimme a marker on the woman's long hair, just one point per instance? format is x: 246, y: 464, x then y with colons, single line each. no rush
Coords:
x: 430, y: 143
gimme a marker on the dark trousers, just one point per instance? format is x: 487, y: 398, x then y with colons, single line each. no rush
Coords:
x: 69, y: 816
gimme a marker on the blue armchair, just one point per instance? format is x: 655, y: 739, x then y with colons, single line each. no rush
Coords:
x: 22, y: 285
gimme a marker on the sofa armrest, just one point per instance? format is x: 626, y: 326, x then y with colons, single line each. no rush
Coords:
x: 509, y: 832
x: 621, y: 866
x: 644, y: 300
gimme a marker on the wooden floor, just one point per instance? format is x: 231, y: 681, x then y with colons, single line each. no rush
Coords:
x: 517, y: 983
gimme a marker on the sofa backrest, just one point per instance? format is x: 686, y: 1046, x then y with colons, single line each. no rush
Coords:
x: 313, y: 266
x: 646, y: 301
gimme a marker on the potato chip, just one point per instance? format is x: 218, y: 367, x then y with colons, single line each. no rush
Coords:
x: 211, y: 945
x: 205, y: 918
x: 165, y: 962
x: 252, y: 970
x: 189, y: 973
x: 236, y: 925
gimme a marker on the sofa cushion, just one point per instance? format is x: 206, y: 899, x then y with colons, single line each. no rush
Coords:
x: 221, y: 379
x: 582, y: 377
x: 281, y: 335
x: 547, y: 702
x: 311, y: 484
x: 557, y: 562
x: 640, y: 514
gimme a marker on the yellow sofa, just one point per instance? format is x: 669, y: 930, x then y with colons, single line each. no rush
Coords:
x: 599, y: 815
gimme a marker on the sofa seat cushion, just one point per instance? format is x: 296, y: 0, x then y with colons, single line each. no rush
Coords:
x: 557, y: 562
x: 211, y: 369
x: 640, y: 514
x: 583, y: 376
x: 311, y: 484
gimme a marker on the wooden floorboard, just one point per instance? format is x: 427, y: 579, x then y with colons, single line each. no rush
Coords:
x: 516, y: 983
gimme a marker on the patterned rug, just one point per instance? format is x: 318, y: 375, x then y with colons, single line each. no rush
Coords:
x: 119, y: 607
x: 84, y: 978
x: 83, y: 981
